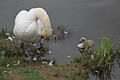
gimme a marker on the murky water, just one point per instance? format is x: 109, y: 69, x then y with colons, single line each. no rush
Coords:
x: 90, y: 18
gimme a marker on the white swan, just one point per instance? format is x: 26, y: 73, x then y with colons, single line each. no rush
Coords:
x: 30, y: 25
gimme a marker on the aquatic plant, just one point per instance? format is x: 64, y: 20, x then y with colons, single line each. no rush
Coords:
x: 2, y: 33
x: 98, y: 61
x: 60, y: 32
x: 104, y: 55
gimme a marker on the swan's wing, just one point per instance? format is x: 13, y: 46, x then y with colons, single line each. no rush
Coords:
x: 20, y: 15
x: 18, y: 19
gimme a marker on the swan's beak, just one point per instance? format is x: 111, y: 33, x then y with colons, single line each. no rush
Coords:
x: 46, y: 33
x: 46, y: 36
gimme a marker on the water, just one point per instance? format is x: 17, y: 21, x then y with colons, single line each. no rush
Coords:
x: 90, y: 18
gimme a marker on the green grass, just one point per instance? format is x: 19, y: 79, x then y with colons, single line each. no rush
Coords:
x: 29, y: 73
x: 2, y: 33
x: 57, y: 73
x: 3, y: 75
x: 20, y: 73
x: 98, y: 61
x: 12, y: 55
x: 102, y: 56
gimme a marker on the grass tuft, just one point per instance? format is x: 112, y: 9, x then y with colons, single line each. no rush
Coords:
x: 98, y: 61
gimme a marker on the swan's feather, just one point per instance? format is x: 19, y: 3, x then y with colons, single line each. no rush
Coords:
x: 28, y: 26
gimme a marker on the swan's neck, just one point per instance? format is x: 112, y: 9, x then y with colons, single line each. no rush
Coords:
x: 44, y: 18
